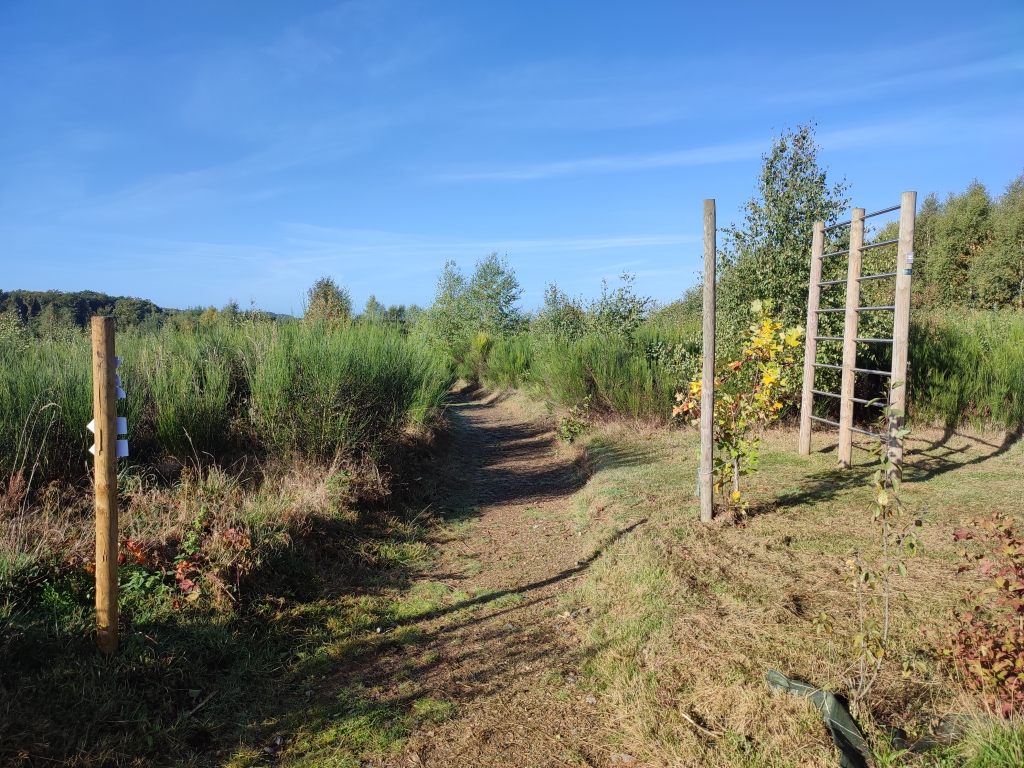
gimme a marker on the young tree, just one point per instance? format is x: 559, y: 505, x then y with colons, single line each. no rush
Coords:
x: 374, y: 311
x: 962, y: 230
x: 1007, y: 263
x: 768, y: 256
x: 328, y: 303
x: 491, y: 296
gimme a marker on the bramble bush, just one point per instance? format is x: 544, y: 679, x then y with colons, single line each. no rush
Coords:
x: 987, y: 647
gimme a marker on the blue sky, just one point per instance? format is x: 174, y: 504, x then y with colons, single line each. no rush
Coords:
x: 193, y: 153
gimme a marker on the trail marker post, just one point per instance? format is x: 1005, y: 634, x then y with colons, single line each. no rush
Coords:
x: 707, y: 393
x: 106, y: 391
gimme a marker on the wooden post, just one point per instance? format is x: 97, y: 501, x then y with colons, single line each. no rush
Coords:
x: 707, y: 392
x: 810, y: 343
x: 104, y: 404
x: 850, y: 338
x: 901, y: 329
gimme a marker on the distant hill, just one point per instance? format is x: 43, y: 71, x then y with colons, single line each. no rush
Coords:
x: 75, y: 308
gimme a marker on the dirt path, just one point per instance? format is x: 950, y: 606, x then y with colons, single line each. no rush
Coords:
x: 509, y: 658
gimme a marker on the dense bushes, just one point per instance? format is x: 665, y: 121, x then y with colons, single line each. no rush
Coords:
x: 318, y: 394
x: 217, y: 391
x: 968, y: 367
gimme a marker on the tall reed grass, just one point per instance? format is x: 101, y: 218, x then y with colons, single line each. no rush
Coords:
x: 968, y: 367
x: 349, y: 391
x: 612, y: 374
x: 212, y: 392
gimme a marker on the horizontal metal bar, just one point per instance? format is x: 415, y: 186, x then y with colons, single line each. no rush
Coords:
x: 872, y: 309
x: 879, y: 276
x: 825, y: 421
x: 834, y: 309
x: 879, y: 244
x: 828, y: 365
x: 859, y: 341
x: 833, y: 282
x: 862, y: 401
x: 884, y: 210
x: 836, y: 253
x: 864, y: 431
x: 827, y: 394
x: 869, y: 370
x: 837, y: 226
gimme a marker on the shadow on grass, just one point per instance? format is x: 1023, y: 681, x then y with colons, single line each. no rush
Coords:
x: 935, y: 458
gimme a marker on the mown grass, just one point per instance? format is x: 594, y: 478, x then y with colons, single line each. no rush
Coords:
x: 686, y: 619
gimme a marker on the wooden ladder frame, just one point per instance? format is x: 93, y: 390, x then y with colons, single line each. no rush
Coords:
x: 900, y: 308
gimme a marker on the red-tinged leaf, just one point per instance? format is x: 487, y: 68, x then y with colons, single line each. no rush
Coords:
x: 961, y: 535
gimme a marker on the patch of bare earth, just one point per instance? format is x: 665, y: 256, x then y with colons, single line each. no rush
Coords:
x: 508, y: 658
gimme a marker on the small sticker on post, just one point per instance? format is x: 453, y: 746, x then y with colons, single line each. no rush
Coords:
x: 120, y: 394
x: 122, y: 449
x: 908, y: 271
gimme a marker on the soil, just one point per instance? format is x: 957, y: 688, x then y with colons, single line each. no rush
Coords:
x: 513, y: 672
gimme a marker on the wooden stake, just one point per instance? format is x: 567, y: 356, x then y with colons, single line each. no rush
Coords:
x: 901, y: 329
x: 707, y: 392
x: 810, y: 343
x: 850, y: 338
x: 104, y: 405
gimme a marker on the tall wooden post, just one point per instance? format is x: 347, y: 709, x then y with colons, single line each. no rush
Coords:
x: 707, y: 392
x: 901, y: 329
x: 810, y: 342
x: 104, y: 403
x: 850, y: 338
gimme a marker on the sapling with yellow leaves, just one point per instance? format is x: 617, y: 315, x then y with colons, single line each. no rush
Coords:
x: 750, y: 393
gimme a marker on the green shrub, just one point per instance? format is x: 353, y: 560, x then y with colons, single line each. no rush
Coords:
x: 210, y: 391
x: 968, y: 366
x: 349, y: 391
x: 613, y: 373
x: 509, y: 362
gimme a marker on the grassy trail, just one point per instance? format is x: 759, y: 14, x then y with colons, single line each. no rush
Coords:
x: 511, y: 667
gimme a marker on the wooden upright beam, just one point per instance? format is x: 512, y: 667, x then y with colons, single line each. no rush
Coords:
x: 104, y: 402
x: 850, y: 338
x: 707, y: 392
x: 810, y: 342
x: 901, y: 329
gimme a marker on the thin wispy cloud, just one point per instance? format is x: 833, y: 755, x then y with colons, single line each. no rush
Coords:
x: 722, y: 153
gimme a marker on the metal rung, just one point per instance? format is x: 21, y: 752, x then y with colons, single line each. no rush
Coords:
x: 825, y: 421
x: 866, y: 432
x: 884, y: 210
x: 827, y: 394
x: 879, y: 341
x: 837, y: 226
x: 833, y: 282
x: 872, y: 309
x: 862, y: 401
x: 837, y: 253
x: 836, y: 309
x: 828, y: 365
x: 869, y: 370
x: 879, y: 276
x: 828, y: 338
x: 879, y: 244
